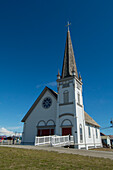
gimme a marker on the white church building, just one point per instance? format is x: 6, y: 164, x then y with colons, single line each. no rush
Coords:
x: 62, y: 112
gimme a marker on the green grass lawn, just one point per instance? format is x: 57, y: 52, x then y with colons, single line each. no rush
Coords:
x: 13, y: 158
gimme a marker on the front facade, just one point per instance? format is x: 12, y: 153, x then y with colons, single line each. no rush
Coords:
x: 62, y: 113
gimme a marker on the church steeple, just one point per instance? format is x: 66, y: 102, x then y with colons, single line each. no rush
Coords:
x: 69, y: 60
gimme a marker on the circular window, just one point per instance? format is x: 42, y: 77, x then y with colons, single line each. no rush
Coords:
x: 47, y: 102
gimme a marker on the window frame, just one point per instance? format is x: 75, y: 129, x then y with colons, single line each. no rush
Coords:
x: 81, y: 133
x: 66, y: 96
x: 89, y: 131
x: 78, y: 97
x: 96, y: 133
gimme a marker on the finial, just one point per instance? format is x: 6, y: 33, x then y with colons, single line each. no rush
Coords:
x: 68, y: 25
x: 80, y: 78
x: 73, y: 71
x: 58, y: 76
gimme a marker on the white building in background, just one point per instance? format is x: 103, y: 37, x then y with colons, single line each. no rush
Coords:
x: 62, y: 113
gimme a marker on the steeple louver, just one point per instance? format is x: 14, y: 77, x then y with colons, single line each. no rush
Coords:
x: 69, y: 63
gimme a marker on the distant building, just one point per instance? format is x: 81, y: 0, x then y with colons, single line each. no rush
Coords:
x: 111, y: 139
x: 62, y: 113
x: 105, y: 140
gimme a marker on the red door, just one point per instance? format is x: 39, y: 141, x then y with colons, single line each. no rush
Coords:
x: 66, y: 131
x: 52, y: 131
x: 39, y: 132
x: 45, y: 132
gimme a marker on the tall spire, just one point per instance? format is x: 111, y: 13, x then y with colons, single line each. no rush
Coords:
x: 69, y: 60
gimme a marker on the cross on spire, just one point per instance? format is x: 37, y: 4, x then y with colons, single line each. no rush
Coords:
x: 68, y: 24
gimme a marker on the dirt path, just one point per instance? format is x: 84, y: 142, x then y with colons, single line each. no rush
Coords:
x: 100, y: 154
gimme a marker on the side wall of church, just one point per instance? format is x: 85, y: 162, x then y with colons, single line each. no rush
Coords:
x: 39, y: 114
x: 92, y: 139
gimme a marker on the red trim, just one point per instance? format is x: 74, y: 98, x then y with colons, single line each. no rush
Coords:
x: 45, y: 132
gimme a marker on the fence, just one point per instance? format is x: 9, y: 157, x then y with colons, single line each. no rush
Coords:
x: 42, y: 140
x: 54, y: 140
x: 9, y: 142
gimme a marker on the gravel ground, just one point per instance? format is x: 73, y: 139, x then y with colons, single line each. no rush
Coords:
x: 100, y: 154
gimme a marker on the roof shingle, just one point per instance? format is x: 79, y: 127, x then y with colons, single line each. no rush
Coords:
x: 69, y: 59
x: 89, y: 120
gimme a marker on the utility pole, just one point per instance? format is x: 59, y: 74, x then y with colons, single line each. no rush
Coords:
x: 111, y: 122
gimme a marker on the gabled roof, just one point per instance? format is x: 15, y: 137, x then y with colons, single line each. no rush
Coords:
x: 37, y: 100
x: 89, y: 120
x: 69, y: 64
x: 111, y: 136
x: 102, y: 134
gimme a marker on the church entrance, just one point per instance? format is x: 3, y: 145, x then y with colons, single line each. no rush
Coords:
x: 46, y: 128
x: 66, y: 131
x: 45, y: 132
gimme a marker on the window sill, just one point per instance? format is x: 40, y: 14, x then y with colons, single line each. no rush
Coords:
x: 65, y: 103
x: 79, y: 104
x: 81, y: 141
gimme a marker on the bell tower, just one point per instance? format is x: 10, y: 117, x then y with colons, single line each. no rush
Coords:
x: 70, y: 109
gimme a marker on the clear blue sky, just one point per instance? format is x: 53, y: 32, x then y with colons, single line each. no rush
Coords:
x: 32, y: 41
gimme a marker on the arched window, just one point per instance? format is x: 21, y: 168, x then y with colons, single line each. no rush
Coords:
x: 79, y: 98
x: 50, y: 123
x: 81, y: 136
x: 66, y: 122
x: 66, y: 96
x: 41, y: 123
x: 89, y: 131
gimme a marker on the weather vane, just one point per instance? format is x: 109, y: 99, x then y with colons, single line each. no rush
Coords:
x: 68, y: 24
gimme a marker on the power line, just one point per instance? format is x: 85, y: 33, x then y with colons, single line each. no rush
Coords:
x: 109, y: 126
x: 106, y: 127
